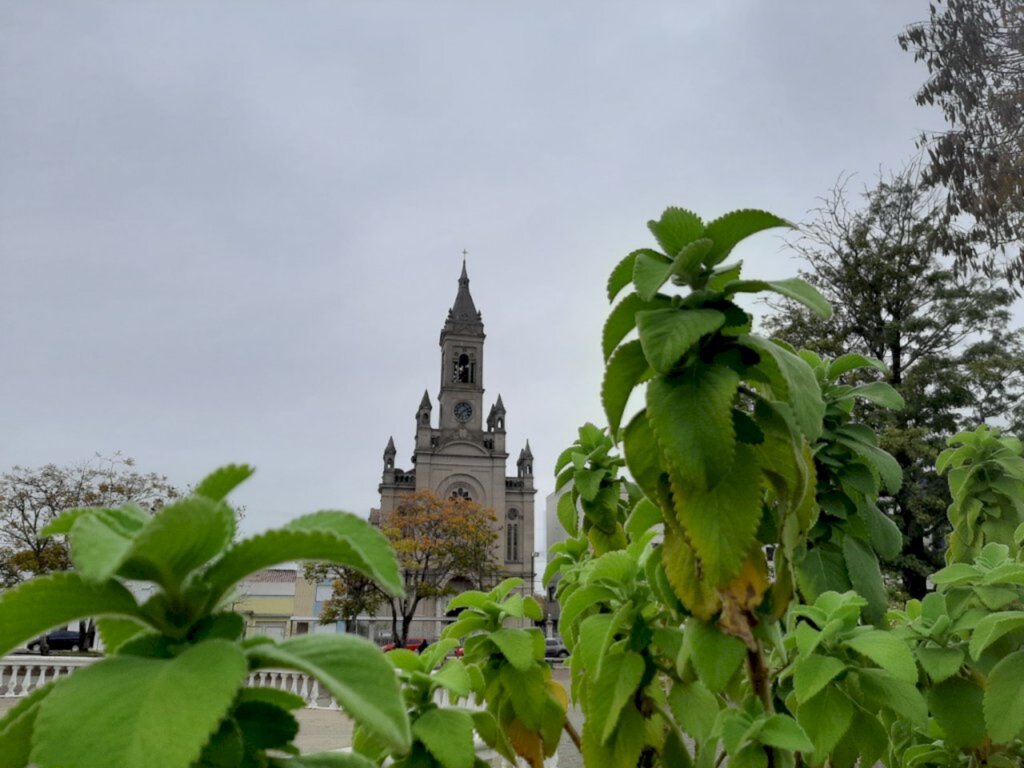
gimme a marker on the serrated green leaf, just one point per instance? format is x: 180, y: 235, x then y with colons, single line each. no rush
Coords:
x: 366, y: 538
x: 645, y: 515
x: 16, y: 728
x: 885, y: 535
x: 794, y: 288
x: 676, y: 229
x: 143, y: 700
x: 715, y: 656
x: 695, y: 709
x: 277, y: 697
x: 687, y: 263
x: 814, y: 672
x: 116, y: 632
x: 826, y: 718
x: 454, y: 677
x: 722, y: 523
x: 887, y: 651
x: 616, y: 569
x: 622, y: 749
x: 883, y: 462
x: 880, y: 393
x: 293, y: 543
x: 100, y: 539
x: 852, y: 361
x: 866, y: 577
x: 793, y: 381
x: 609, y: 693
x: 622, y: 275
x: 649, y: 274
x: 219, y: 483
x: 56, y: 599
x: 956, y: 705
x: 991, y: 628
x: 691, y: 416
x: 568, y: 515
x: 355, y: 672
x: 447, y: 735
x: 1004, y: 699
x: 900, y: 696
x: 728, y: 230
x: 785, y: 733
x: 181, y: 537
x: 820, y: 571
x: 644, y: 460
x: 955, y: 574
x: 265, y: 725
x: 940, y: 663
x: 667, y: 334
x: 622, y: 319
x: 576, y: 604
x: 516, y: 645
x: 625, y: 370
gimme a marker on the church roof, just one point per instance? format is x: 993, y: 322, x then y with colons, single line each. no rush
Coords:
x: 464, y: 316
x: 425, y: 402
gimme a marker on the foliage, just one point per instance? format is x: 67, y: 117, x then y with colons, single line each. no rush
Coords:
x: 967, y: 635
x: 436, y: 541
x: 31, y: 498
x: 974, y: 52
x: 851, y: 532
x: 686, y: 648
x: 173, y: 687
x: 526, y: 706
x: 944, y: 339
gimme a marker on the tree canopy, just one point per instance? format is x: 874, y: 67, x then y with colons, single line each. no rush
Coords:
x: 32, y: 497
x: 437, y: 541
x: 974, y: 51
x: 945, y: 338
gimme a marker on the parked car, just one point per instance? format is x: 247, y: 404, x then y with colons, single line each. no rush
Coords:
x: 555, y: 648
x: 58, y: 640
x: 418, y: 644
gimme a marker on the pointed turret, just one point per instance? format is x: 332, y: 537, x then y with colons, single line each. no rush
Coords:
x: 423, y: 412
x: 524, y: 465
x: 389, y: 454
x: 496, y: 418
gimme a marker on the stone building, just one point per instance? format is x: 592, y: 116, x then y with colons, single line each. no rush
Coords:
x: 460, y: 452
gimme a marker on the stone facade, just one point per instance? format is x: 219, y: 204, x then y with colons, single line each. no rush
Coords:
x: 458, y: 452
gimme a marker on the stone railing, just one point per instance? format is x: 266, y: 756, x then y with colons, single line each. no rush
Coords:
x: 21, y: 675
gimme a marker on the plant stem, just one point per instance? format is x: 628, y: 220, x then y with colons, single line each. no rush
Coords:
x: 572, y: 734
x: 760, y: 682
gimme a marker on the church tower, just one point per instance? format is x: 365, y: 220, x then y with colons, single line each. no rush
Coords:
x: 464, y: 455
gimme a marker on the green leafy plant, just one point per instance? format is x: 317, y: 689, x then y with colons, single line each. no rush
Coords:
x: 851, y: 532
x: 172, y: 692
x: 525, y: 707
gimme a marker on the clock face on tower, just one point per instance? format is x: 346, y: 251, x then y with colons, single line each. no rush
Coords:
x: 463, y: 411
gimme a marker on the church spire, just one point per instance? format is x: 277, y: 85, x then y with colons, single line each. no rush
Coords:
x: 463, y: 316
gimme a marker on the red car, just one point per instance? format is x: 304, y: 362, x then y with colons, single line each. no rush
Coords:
x: 418, y: 644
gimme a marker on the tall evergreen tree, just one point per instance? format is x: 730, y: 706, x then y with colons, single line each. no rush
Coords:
x: 945, y: 337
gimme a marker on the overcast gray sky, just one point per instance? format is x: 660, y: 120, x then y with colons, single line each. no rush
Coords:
x: 231, y: 231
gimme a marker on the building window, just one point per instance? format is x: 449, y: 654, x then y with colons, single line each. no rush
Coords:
x: 464, y: 370
x: 461, y: 493
x: 512, y: 537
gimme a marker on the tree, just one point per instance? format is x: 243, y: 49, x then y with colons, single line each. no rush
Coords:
x: 31, y: 498
x: 974, y: 51
x: 944, y: 337
x: 438, y: 542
